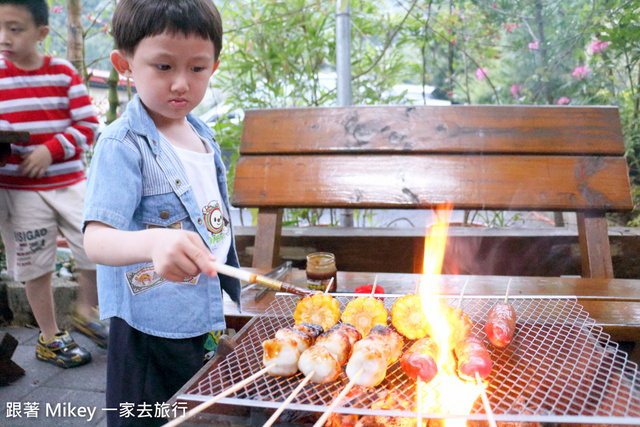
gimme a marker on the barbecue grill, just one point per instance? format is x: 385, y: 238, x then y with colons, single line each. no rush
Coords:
x: 560, y: 367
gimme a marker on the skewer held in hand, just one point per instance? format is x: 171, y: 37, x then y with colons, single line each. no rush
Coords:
x: 249, y: 277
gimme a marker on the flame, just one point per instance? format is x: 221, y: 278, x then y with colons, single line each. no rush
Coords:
x: 447, y: 393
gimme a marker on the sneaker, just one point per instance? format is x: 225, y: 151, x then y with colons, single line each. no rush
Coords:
x: 92, y: 327
x: 62, y: 351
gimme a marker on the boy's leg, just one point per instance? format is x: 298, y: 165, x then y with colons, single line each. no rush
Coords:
x: 34, y: 233
x: 67, y: 203
x: 87, y: 298
x: 40, y: 298
x: 146, y: 371
x: 34, y: 230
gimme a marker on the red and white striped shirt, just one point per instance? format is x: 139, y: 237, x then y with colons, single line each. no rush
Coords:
x: 53, y: 105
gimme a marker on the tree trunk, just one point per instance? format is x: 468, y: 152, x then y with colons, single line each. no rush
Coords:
x: 546, y: 88
x: 542, y: 46
x: 75, y: 41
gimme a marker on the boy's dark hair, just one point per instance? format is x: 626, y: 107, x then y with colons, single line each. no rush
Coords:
x: 133, y: 20
x: 39, y: 9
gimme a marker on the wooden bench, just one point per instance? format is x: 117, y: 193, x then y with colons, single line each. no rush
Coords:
x: 523, y: 158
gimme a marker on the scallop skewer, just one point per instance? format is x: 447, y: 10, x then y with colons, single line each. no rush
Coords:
x: 338, y: 399
x: 272, y: 419
x: 201, y: 407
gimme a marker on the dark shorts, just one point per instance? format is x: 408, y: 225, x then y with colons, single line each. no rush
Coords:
x: 144, y: 371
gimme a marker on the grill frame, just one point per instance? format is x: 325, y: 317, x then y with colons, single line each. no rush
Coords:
x: 537, y: 316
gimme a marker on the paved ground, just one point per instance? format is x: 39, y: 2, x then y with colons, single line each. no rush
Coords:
x: 49, y: 386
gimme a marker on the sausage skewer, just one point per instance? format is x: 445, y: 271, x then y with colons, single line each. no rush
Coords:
x: 462, y: 293
x: 485, y: 402
x: 501, y: 322
x: 473, y: 358
x: 419, y: 362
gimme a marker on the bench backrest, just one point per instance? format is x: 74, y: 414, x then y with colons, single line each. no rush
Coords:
x: 476, y: 157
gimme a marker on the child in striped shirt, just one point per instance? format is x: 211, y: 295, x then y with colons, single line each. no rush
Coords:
x: 42, y: 183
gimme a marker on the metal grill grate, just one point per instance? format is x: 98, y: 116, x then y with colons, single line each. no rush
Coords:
x: 559, y: 367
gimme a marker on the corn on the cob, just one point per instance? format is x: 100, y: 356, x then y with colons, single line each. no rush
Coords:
x: 322, y: 309
x: 364, y: 313
x: 408, y: 319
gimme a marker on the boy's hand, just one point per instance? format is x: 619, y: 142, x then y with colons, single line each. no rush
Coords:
x: 35, y: 164
x: 5, y: 152
x: 181, y: 254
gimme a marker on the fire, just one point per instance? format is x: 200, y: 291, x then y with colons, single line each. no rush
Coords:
x: 447, y: 393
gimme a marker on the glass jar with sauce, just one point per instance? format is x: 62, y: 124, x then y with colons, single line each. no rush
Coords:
x: 321, y: 268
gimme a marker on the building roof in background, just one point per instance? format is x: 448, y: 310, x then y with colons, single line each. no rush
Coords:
x: 99, y: 79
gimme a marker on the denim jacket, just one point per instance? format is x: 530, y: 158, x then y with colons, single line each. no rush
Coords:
x: 136, y: 181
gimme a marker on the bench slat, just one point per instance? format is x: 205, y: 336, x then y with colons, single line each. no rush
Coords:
x: 452, y: 129
x: 563, y: 183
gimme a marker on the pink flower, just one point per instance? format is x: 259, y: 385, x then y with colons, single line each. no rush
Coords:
x: 581, y: 72
x: 534, y: 45
x: 599, y: 46
x: 563, y: 101
x: 481, y: 73
x: 56, y: 9
x: 515, y: 91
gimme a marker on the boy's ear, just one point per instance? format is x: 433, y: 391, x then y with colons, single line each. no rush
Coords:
x: 215, y: 66
x: 121, y: 63
x: 43, y: 32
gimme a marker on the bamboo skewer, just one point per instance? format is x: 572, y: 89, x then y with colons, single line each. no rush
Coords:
x: 204, y: 405
x: 293, y: 394
x: 375, y: 283
x: 462, y: 292
x: 326, y: 290
x: 485, y: 402
x: 249, y: 277
x: 419, y: 402
x: 338, y: 399
x: 506, y: 297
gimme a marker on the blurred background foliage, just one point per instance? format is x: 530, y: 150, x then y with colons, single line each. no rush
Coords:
x: 282, y: 54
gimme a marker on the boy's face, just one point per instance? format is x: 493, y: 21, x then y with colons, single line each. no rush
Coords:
x: 19, y: 37
x: 171, y: 74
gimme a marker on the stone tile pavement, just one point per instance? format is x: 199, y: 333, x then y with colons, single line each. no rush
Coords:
x: 53, y: 387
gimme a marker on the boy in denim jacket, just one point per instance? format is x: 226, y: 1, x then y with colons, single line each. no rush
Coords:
x: 157, y: 209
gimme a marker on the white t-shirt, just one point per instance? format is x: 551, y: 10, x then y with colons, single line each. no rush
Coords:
x: 201, y: 171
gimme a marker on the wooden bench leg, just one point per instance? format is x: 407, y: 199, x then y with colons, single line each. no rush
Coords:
x: 595, y: 251
x: 266, y: 251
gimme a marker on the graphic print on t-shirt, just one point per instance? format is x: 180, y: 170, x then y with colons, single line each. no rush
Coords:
x: 216, y: 222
